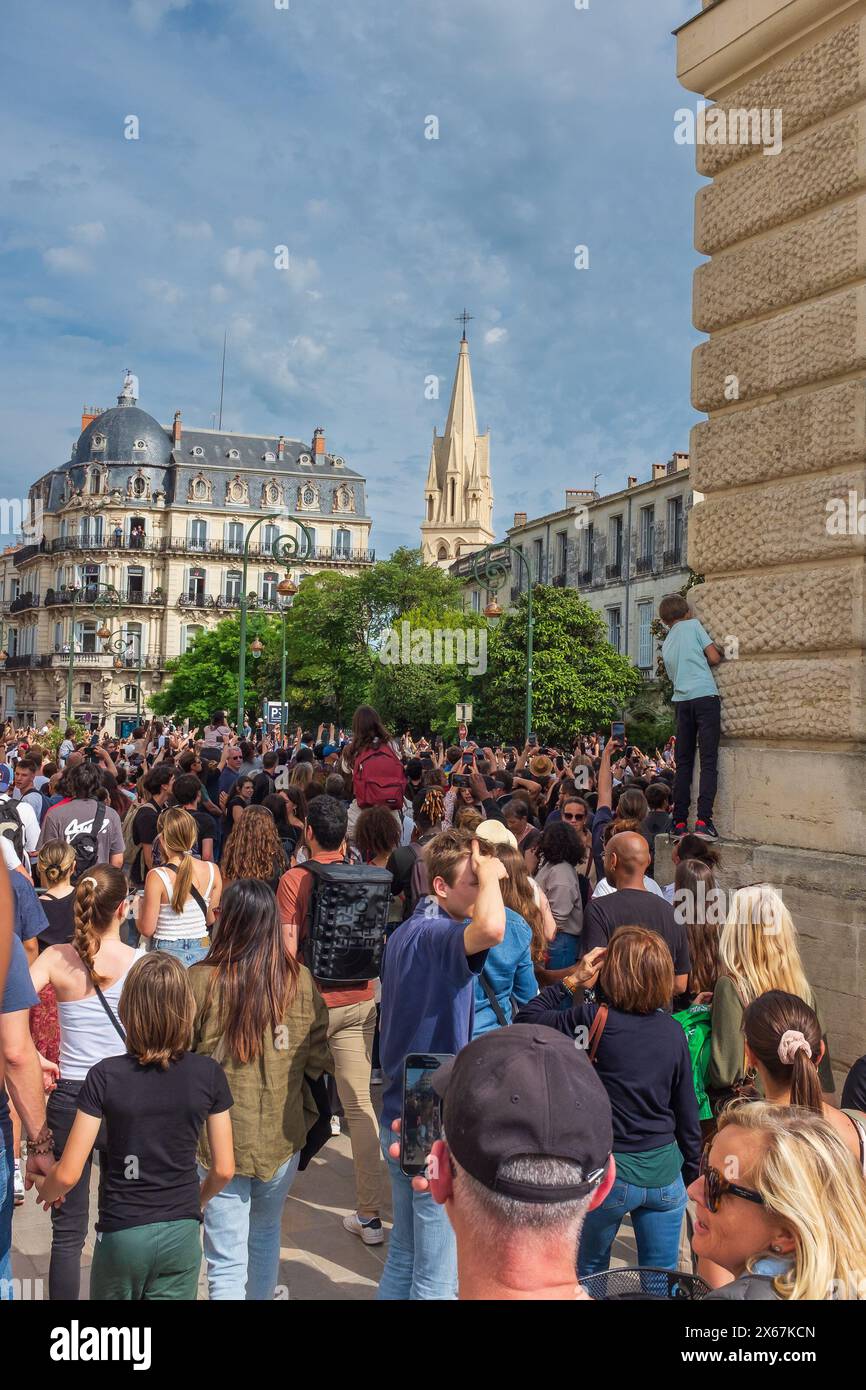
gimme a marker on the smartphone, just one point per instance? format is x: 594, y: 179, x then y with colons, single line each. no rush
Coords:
x: 421, y: 1113
x: 581, y: 778
x: 467, y: 759
x: 533, y: 740
x: 560, y: 763
x: 617, y: 732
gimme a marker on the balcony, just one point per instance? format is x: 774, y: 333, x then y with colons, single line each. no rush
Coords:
x: 673, y: 559
x: 182, y: 545
x: 227, y: 605
x: 613, y: 571
x: 27, y: 552
x: 644, y: 564
x: 92, y: 545
x: 558, y: 581
x: 28, y: 600
x: 584, y: 579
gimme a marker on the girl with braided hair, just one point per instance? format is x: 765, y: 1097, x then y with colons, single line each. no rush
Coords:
x: 87, y: 975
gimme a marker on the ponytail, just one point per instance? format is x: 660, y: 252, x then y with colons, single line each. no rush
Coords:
x: 179, y: 835
x: 784, y: 1034
x: 97, y: 898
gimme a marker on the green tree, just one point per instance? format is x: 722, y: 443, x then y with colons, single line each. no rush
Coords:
x: 205, y: 677
x: 579, y: 682
x: 422, y: 695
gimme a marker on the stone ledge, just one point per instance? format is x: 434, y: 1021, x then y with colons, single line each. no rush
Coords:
x: 809, y: 610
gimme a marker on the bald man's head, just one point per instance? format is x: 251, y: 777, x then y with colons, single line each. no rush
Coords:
x: 626, y: 859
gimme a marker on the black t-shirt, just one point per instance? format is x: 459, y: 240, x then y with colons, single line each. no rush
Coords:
x: 635, y: 907
x: 61, y: 920
x: 153, y: 1122
x: 143, y: 833
x: 207, y: 828
x: 263, y: 785
x: 854, y: 1093
x: 228, y: 817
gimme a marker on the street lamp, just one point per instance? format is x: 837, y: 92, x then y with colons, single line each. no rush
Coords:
x: 99, y: 595
x: 287, y: 590
x: 489, y: 567
x: 284, y: 550
x: 121, y: 643
x: 256, y: 647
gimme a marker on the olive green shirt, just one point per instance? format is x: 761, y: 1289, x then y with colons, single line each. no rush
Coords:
x: 273, y: 1109
x: 727, y: 1043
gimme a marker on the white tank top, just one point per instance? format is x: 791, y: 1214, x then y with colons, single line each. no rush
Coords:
x: 87, y: 1033
x: 178, y: 926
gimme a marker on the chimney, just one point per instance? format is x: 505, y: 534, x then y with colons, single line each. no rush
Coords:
x: 281, y: 447
x: 319, y: 442
x: 659, y: 471
x: 681, y: 461
x: 632, y: 481
x: 520, y: 518
x: 175, y: 429
x: 89, y: 413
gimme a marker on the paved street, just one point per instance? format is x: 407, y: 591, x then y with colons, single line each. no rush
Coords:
x: 319, y: 1260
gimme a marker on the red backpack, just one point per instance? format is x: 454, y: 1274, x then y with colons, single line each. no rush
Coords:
x: 378, y: 778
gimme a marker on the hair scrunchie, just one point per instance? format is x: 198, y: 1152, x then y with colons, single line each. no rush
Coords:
x: 89, y: 880
x: 790, y: 1044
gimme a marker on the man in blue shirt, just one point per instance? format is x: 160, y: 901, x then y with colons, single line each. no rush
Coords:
x: 689, y: 653
x: 428, y: 978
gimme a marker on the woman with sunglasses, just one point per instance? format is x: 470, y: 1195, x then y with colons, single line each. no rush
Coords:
x: 790, y: 1224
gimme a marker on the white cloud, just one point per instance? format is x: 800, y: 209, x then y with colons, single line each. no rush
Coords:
x: 243, y: 266
x: 306, y: 350
x: 495, y: 335
x: 67, y: 258
x: 88, y: 233
x: 163, y: 291
x: 248, y: 226
x: 194, y: 231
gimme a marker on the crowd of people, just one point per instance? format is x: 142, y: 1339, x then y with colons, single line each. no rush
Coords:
x: 226, y: 944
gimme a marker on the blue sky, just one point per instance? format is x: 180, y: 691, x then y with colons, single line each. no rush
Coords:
x: 304, y: 127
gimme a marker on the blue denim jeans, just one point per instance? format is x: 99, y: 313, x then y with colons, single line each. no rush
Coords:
x: 422, y: 1251
x: 189, y: 950
x: 656, y: 1215
x: 563, y: 951
x: 7, y: 1203
x: 242, y: 1235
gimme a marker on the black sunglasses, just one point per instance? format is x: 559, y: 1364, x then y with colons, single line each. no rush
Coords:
x: 715, y: 1186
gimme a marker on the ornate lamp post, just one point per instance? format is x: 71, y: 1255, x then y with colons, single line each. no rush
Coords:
x: 287, y: 590
x: 285, y: 549
x: 490, y: 569
x: 99, y: 596
x: 120, y: 644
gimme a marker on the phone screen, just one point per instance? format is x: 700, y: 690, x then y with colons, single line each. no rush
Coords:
x: 532, y: 740
x: 421, y: 1121
x: 467, y: 759
x: 617, y: 731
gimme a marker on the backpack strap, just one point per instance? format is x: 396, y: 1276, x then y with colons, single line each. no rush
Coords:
x: 193, y: 891
x: 596, y: 1031
x: 492, y: 1000
x: 108, y: 1009
x: 98, y: 819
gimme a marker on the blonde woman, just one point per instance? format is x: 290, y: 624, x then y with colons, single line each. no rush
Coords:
x: 87, y: 976
x: 790, y: 1224
x: 758, y: 952
x: 181, y: 897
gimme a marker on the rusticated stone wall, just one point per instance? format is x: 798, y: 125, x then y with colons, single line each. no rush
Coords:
x: 781, y: 461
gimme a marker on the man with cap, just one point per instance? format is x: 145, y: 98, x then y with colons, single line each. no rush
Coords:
x: 527, y: 1153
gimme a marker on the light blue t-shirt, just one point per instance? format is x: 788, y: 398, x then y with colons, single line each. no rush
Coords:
x: 685, y: 663
x: 509, y: 969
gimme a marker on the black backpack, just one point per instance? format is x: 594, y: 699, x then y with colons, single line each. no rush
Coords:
x: 86, y: 845
x: 11, y: 826
x: 346, y: 921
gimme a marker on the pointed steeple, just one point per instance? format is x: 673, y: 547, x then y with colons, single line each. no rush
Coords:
x: 461, y: 425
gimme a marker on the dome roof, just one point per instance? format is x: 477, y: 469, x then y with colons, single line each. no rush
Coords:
x: 122, y: 428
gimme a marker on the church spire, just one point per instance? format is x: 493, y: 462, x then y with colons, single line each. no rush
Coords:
x: 461, y: 426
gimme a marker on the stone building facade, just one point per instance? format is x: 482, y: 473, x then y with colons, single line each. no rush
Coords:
x: 160, y: 514
x: 782, y: 380
x: 622, y: 552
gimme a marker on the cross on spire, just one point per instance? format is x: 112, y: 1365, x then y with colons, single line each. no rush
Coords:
x: 464, y: 318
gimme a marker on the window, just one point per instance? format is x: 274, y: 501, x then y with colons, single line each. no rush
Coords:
x: 614, y: 543
x: 12, y: 641
x: 90, y: 530
x: 269, y: 588
x: 429, y: 508
x: 647, y: 537
x: 139, y: 487
x: 135, y: 584
x: 644, y: 637
x: 308, y: 496
x: 674, y: 553
x: 233, y: 454
x: 538, y: 560
x: 96, y: 483
x: 234, y: 535
x: 561, y: 552
x: 84, y: 690
x: 233, y: 586
x: 476, y: 600
x: 195, y: 585
x: 342, y: 543
x: 190, y: 633
x: 614, y: 628
x: 133, y: 634
x: 130, y: 694
x: 85, y: 637
x: 302, y: 542
x: 442, y: 553
x: 270, y: 535
x: 58, y: 636
x: 304, y: 459
x: 197, y: 535
x: 452, y: 496
x: 89, y: 583
x: 588, y: 549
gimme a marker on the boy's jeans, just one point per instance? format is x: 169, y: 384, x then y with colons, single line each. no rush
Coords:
x: 242, y: 1235
x: 698, y: 726
x: 422, y: 1251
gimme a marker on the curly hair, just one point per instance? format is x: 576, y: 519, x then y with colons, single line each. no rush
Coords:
x: 254, y: 848
x: 559, y: 844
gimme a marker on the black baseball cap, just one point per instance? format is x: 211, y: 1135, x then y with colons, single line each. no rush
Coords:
x: 525, y: 1091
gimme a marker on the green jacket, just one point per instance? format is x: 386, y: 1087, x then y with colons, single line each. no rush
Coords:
x: 273, y: 1109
